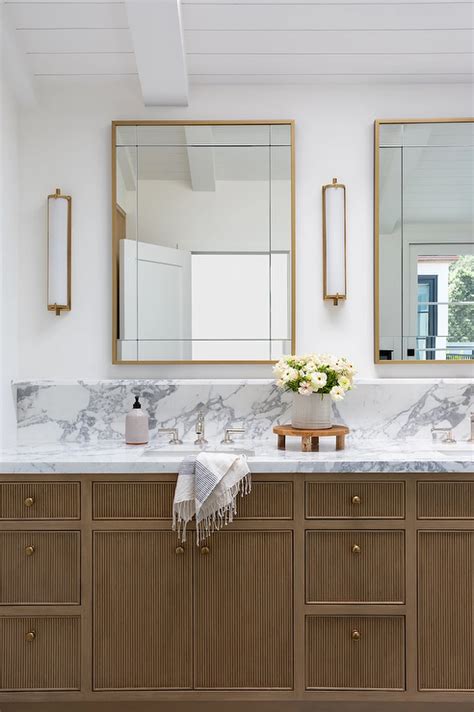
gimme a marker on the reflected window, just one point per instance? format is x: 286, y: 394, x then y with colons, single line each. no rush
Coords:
x: 427, y: 316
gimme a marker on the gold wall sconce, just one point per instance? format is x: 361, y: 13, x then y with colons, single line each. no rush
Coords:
x: 334, y: 242
x: 59, y: 252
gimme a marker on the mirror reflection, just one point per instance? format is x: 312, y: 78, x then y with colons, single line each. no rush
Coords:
x: 425, y: 231
x: 203, y: 242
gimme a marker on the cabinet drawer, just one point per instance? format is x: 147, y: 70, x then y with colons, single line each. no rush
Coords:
x: 39, y: 500
x: 355, y: 653
x: 154, y: 500
x: 355, y: 500
x: 39, y: 653
x: 267, y: 500
x: 445, y: 500
x: 132, y: 500
x: 39, y: 567
x: 353, y: 566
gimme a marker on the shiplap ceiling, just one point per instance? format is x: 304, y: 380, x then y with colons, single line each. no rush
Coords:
x: 244, y: 41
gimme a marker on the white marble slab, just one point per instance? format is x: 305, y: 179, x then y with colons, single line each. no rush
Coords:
x: 87, y: 411
x: 116, y: 457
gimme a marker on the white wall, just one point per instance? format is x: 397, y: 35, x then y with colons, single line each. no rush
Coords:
x: 235, y: 216
x: 66, y: 143
x: 9, y: 223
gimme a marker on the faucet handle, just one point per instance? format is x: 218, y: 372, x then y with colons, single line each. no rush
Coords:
x: 227, y: 440
x: 174, y: 435
x: 447, y: 434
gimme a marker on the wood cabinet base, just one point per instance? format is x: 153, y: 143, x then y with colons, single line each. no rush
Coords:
x: 337, y: 588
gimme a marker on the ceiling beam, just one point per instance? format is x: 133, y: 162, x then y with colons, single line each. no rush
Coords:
x: 201, y: 157
x: 157, y: 38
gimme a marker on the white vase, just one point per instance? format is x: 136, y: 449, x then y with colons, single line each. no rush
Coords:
x: 311, y: 412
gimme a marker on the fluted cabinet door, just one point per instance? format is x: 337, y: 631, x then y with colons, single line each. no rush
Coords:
x: 142, y: 611
x: 244, y: 611
x: 446, y: 610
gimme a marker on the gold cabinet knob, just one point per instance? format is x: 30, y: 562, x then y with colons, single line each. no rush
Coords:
x: 180, y: 550
x: 355, y: 499
x: 30, y: 636
x: 204, y: 550
x: 356, y: 549
x: 29, y: 502
x: 355, y: 635
x: 29, y: 550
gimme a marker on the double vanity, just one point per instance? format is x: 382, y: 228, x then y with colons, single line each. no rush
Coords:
x: 345, y: 576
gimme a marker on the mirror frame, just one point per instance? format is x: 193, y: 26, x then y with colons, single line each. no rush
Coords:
x: 377, y: 124
x: 115, y: 314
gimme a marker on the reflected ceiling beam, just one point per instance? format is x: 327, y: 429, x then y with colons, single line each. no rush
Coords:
x: 201, y: 158
x: 15, y: 65
x: 157, y: 38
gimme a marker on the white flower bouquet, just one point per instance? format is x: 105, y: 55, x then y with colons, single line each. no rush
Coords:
x: 315, y: 373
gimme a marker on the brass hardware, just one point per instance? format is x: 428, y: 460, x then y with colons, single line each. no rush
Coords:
x: 29, y: 502
x: 355, y: 499
x: 355, y: 635
x: 180, y: 550
x: 30, y: 636
x: 204, y: 550
x: 356, y: 549
x: 29, y: 550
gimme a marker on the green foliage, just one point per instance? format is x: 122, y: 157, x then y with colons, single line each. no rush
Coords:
x: 461, y: 289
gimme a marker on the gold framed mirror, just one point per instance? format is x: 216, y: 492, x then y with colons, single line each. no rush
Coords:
x: 203, y: 241
x: 424, y: 240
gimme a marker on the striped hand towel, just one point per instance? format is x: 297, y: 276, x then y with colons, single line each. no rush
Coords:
x: 207, y: 488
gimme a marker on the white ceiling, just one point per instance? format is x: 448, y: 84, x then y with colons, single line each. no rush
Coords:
x: 245, y: 41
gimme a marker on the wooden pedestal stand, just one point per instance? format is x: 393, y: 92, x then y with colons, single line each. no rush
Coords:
x: 310, y: 438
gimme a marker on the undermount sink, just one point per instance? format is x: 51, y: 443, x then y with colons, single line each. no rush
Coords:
x: 177, y: 451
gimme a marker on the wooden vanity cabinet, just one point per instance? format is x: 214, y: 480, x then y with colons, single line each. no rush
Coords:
x: 142, y: 608
x: 446, y: 610
x: 326, y: 587
x: 244, y: 611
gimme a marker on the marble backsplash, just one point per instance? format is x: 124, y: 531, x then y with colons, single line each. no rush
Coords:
x: 378, y: 409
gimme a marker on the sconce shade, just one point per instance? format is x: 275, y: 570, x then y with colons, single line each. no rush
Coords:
x: 334, y: 241
x: 59, y: 252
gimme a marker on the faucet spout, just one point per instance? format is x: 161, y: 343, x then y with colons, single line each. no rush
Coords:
x: 200, y: 430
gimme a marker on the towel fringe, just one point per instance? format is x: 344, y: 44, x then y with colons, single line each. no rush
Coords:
x: 214, y: 520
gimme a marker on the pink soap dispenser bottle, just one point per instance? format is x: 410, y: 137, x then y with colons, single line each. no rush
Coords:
x: 136, y: 425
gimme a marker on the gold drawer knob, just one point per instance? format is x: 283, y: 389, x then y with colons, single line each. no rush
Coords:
x: 355, y: 635
x: 355, y: 499
x: 29, y: 502
x: 30, y: 636
x: 29, y: 550
x: 180, y: 550
x: 204, y: 550
x: 356, y: 549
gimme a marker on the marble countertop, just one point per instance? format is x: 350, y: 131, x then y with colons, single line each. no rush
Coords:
x: 359, y: 456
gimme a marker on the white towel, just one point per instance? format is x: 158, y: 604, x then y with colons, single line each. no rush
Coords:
x: 207, y: 488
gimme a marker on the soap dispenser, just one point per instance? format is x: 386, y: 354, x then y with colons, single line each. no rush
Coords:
x: 136, y: 425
